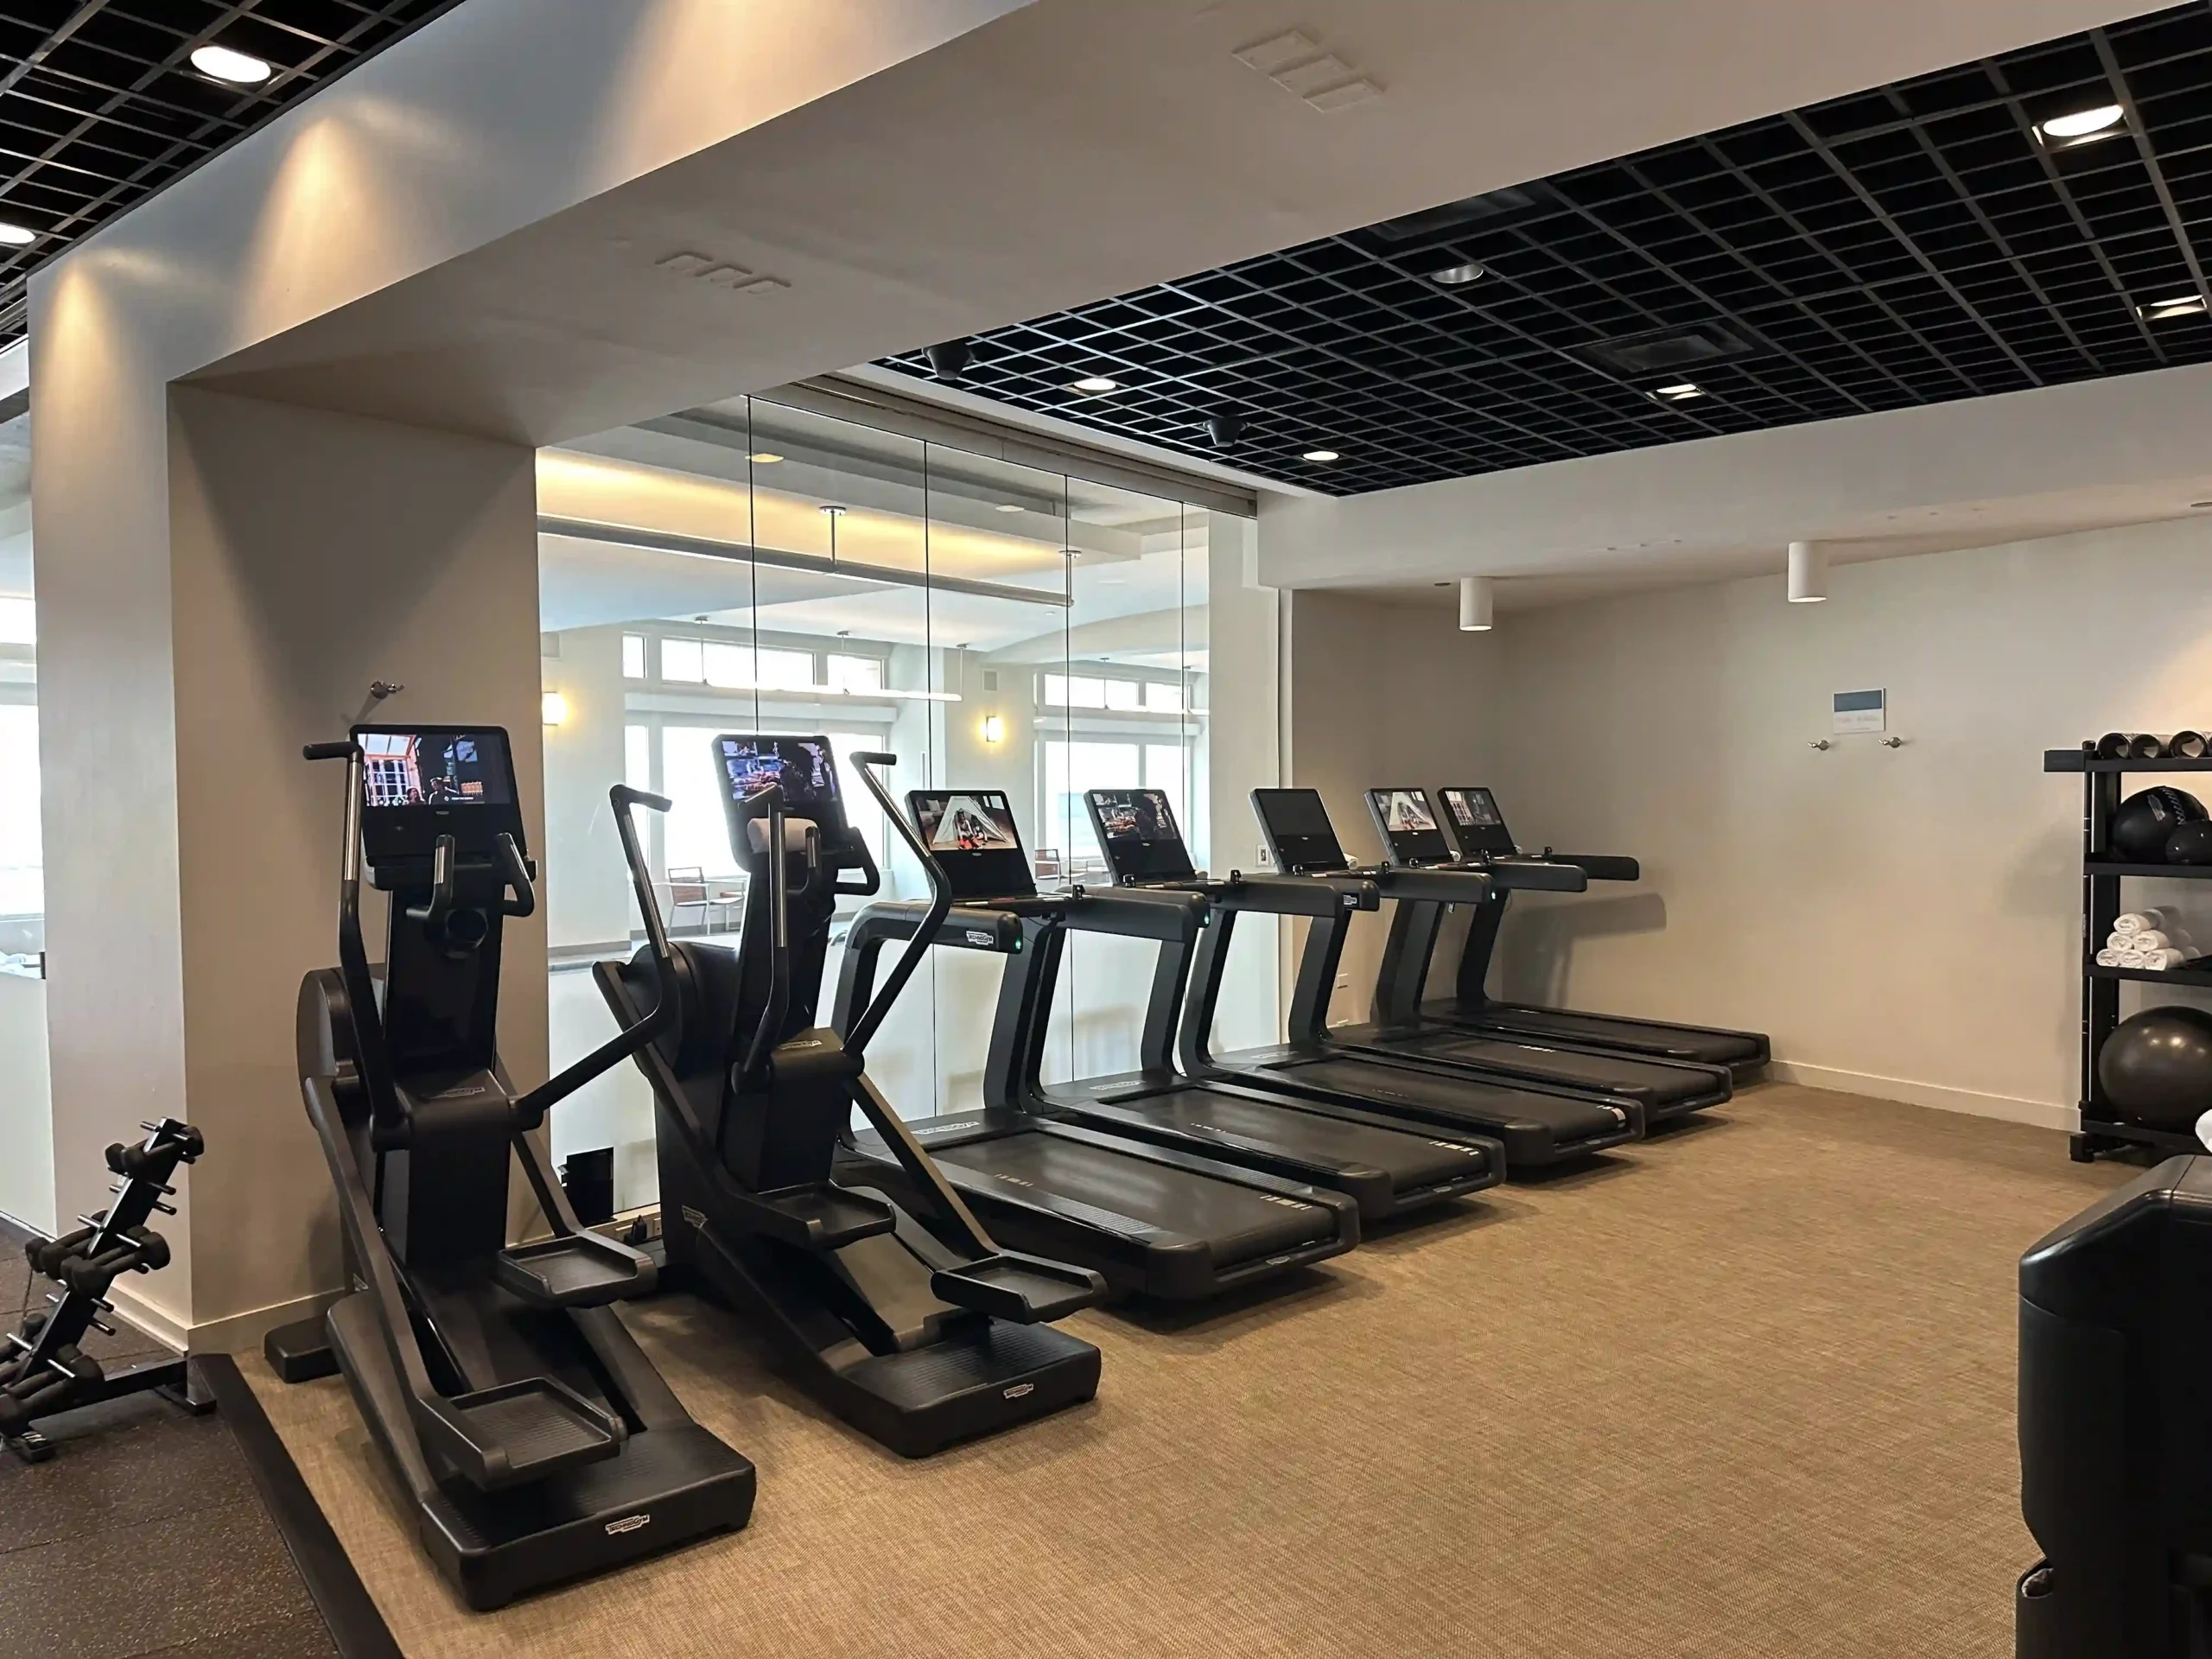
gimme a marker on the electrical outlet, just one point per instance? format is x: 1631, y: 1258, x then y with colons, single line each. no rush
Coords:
x: 1264, y: 857
x: 1344, y: 982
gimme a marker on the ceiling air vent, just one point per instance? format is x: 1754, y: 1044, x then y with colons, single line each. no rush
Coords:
x: 1471, y: 210
x: 1670, y: 351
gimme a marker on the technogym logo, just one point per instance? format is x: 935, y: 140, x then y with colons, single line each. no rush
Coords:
x: 1019, y: 1389
x: 694, y: 1217
x: 628, y: 1523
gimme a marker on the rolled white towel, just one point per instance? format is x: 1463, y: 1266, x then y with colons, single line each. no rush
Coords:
x: 2160, y: 961
x: 2156, y: 939
x: 2119, y: 941
x: 2141, y: 921
x: 2109, y: 957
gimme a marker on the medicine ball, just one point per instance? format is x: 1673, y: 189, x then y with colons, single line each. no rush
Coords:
x: 2156, y: 1066
x: 2146, y: 821
x: 2190, y: 844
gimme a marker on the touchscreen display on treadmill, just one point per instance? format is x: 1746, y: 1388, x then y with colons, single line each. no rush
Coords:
x: 1298, y: 829
x: 971, y: 834
x: 1476, y: 820
x: 1409, y: 827
x: 1137, y: 832
x: 436, y: 768
x: 803, y: 766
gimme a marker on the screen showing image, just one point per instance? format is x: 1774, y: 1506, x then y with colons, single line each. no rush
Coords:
x: 1408, y: 825
x: 971, y: 834
x: 803, y: 766
x: 436, y: 768
x: 1137, y: 830
x: 1476, y: 820
x: 1298, y: 829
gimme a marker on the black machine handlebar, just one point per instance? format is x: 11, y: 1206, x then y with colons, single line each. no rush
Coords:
x: 337, y: 751
x: 865, y: 1027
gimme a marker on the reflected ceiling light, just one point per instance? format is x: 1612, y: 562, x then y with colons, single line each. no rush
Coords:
x: 1680, y: 391
x: 13, y: 235
x: 554, y: 708
x: 239, y: 69
x: 2181, y: 305
x: 764, y: 458
x: 1475, y: 597
x: 1809, y: 573
x: 2078, y: 126
x: 1458, y: 275
x: 1321, y: 456
x: 1097, y: 383
x: 1009, y: 506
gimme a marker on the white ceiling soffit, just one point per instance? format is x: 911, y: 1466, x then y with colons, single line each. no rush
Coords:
x: 1978, y: 473
x: 1065, y: 151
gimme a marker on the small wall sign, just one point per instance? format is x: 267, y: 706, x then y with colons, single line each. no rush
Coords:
x: 1861, y: 711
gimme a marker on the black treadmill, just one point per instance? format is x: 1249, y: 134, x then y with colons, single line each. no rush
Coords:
x: 1301, y: 837
x: 1536, y: 1125
x: 1386, y: 1168
x: 1473, y: 815
x: 1153, y: 1219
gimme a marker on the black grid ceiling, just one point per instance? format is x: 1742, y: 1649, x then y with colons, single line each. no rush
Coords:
x: 100, y: 104
x: 1911, y: 244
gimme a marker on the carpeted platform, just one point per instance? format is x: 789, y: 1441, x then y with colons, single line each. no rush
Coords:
x: 1744, y: 1391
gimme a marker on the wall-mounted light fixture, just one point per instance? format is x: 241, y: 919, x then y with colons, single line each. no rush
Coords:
x: 554, y: 708
x: 994, y: 729
x: 1474, y: 604
x: 1809, y: 573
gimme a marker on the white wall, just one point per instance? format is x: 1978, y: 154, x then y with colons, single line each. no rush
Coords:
x: 26, y: 1105
x: 1902, y: 922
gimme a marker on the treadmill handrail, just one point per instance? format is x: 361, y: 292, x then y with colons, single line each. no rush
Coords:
x: 871, y: 1018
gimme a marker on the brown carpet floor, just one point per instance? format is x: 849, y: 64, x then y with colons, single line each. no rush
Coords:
x: 1747, y: 1389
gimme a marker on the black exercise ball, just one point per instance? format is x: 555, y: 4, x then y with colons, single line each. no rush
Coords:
x: 2190, y: 844
x: 2146, y: 821
x: 2157, y: 1067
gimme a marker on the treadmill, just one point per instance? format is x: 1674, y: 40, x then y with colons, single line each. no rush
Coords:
x: 1301, y: 837
x: 1536, y: 1125
x: 1473, y: 815
x: 1152, y: 1219
x: 1382, y: 1165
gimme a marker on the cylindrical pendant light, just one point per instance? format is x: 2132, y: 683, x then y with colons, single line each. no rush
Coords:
x: 1474, y: 604
x: 1809, y: 573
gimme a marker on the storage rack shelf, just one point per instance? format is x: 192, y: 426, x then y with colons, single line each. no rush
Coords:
x: 2102, y: 1129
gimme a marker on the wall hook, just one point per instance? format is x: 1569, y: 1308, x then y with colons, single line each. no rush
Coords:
x: 1893, y: 742
x: 1822, y: 743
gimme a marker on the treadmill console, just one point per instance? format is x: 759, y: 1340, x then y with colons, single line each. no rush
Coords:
x: 1408, y: 825
x: 1299, y: 834
x: 1137, y: 831
x: 421, y: 782
x: 971, y: 834
x: 1477, y: 822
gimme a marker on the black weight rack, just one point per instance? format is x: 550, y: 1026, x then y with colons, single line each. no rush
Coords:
x: 2102, y: 1129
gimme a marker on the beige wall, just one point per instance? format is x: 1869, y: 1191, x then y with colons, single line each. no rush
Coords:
x: 1902, y: 922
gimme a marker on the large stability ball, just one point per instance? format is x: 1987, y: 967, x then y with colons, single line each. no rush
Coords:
x: 2157, y: 1067
x: 2146, y: 820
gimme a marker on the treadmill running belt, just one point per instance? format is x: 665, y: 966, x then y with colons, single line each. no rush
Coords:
x: 1465, y: 1100
x: 1410, y: 1159
x: 1614, y: 1073
x: 1241, y: 1224
x: 1673, y: 1043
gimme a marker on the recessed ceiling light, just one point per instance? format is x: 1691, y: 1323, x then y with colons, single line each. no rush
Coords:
x: 1458, y: 275
x: 1097, y: 383
x: 16, y: 236
x: 2078, y: 125
x: 764, y: 458
x: 1678, y: 391
x: 1320, y: 455
x: 1009, y: 506
x: 2181, y: 305
x: 239, y: 69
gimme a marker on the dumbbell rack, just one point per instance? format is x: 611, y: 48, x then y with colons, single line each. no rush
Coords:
x: 2102, y: 1129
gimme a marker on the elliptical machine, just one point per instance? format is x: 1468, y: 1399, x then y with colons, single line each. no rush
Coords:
x: 533, y: 1436
x: 919, y: 1330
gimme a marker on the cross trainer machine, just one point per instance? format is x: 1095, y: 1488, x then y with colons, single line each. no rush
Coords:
x: 919, y: 1335
x: 534, y: 1440
x: 1484, y: 843
x: 1299, y: 832
x: 1155, y: 1219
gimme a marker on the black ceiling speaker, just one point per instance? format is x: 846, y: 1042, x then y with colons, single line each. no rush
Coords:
x: 1224, y: 429
x: 949, y: 360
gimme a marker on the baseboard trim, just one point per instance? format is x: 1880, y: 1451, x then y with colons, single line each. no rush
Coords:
x: 242, y: 1333
x: 1973, y: 1102
x: 357, y: 1629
